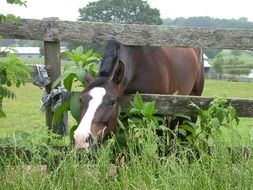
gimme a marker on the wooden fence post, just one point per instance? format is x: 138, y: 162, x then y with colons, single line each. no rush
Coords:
x: 53, y: 62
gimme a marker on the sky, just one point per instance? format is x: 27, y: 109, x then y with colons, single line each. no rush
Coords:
x: 68, y: 9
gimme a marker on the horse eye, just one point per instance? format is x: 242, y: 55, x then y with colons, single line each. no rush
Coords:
x: 112, y: 102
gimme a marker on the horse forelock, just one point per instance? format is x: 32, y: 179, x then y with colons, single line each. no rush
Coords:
x: 98, y: 82
x: 109, y: 58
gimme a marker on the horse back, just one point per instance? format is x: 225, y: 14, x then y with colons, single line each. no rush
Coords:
x: 165, y: 70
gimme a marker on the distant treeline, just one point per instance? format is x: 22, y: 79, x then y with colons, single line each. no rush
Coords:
x: 205, y: 21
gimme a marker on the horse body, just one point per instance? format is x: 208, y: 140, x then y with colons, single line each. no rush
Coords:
x: 128, y: 69
x: 163, y: 70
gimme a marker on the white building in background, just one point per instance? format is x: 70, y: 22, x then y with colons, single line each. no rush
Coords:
x: 24, y: 52
x: 207, y: 66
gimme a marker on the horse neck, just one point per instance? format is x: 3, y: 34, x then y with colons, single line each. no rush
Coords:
x: 128, y: 55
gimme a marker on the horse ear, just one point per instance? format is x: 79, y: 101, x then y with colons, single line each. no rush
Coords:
x: 119, y: 73
x: 88, y: 78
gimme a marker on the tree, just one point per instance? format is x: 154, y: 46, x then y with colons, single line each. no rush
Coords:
x: 205, y: 21
x: 12, y: 71
x: 211, y: 53
x: 217, y: 64
x: 236, y: 53
x: 8, y: 17
x: 120, y: 11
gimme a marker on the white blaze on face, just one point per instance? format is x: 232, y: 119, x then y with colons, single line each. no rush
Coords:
x: 83, y: 131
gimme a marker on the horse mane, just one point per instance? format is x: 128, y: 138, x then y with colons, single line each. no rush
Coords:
x: 109, y: 58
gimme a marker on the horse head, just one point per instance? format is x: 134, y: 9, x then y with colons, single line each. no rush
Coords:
x: 99, y: 108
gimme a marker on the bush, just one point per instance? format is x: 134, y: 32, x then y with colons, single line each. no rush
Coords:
x: 238, y: 71
x: 12, y: 72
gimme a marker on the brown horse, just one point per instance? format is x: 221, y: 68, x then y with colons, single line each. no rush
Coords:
x: 128, y: 69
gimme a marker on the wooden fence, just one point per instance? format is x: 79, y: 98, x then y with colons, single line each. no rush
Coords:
x: 52, y: 31
x: 227, y: 77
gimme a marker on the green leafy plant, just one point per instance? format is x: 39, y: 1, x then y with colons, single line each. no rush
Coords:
x: 12, y: 72
x: 219, y: 115
x: 142, y: 123
x: 139, y: 127
x: 73, y: 76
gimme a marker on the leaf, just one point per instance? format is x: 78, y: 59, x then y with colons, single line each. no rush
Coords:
x: 3, y: 76
x: 148, y: 109
x: 75, y: 106
x: 2, y: 113
x: 64, y: 76
x: 133, y: 111
x: 80, y: 74
x: 190, y: 138
x: 92, y: 69
x: 78, y: 50
x: 92, y: 59
x: 182, y: 131
x: 19, y: 2
x: 182, y: 116
x: 138, y: 101
x: 188, y: 128
x: 215, y: 122
x: 89, y: 53
x: 59, y: 111
x: 219, y: 114
x: 6, y: 93
x: 68, y: 81
x: 121, y: 125
x: 59, y: 79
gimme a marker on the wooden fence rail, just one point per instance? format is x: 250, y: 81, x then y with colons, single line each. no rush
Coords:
x: 170, y: 104
x: 52, y: 31
x: 129, y: 34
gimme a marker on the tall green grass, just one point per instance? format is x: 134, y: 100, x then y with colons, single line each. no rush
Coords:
x: 182, y: 169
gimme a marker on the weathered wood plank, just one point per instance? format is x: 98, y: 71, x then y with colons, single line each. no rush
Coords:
x: 133, y: 34
x: 52, y: 60
x: 170, y: 104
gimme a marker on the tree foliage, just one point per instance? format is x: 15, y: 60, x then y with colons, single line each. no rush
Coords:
x: 121, y: 11
x: 210, y: 22
x: 12, y: 71
x: 206, y: 21
x: 231, y: 64
x: 5, y: 18
x: 217, y: 65
x: 211, y: 52
x: 118, y: 11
